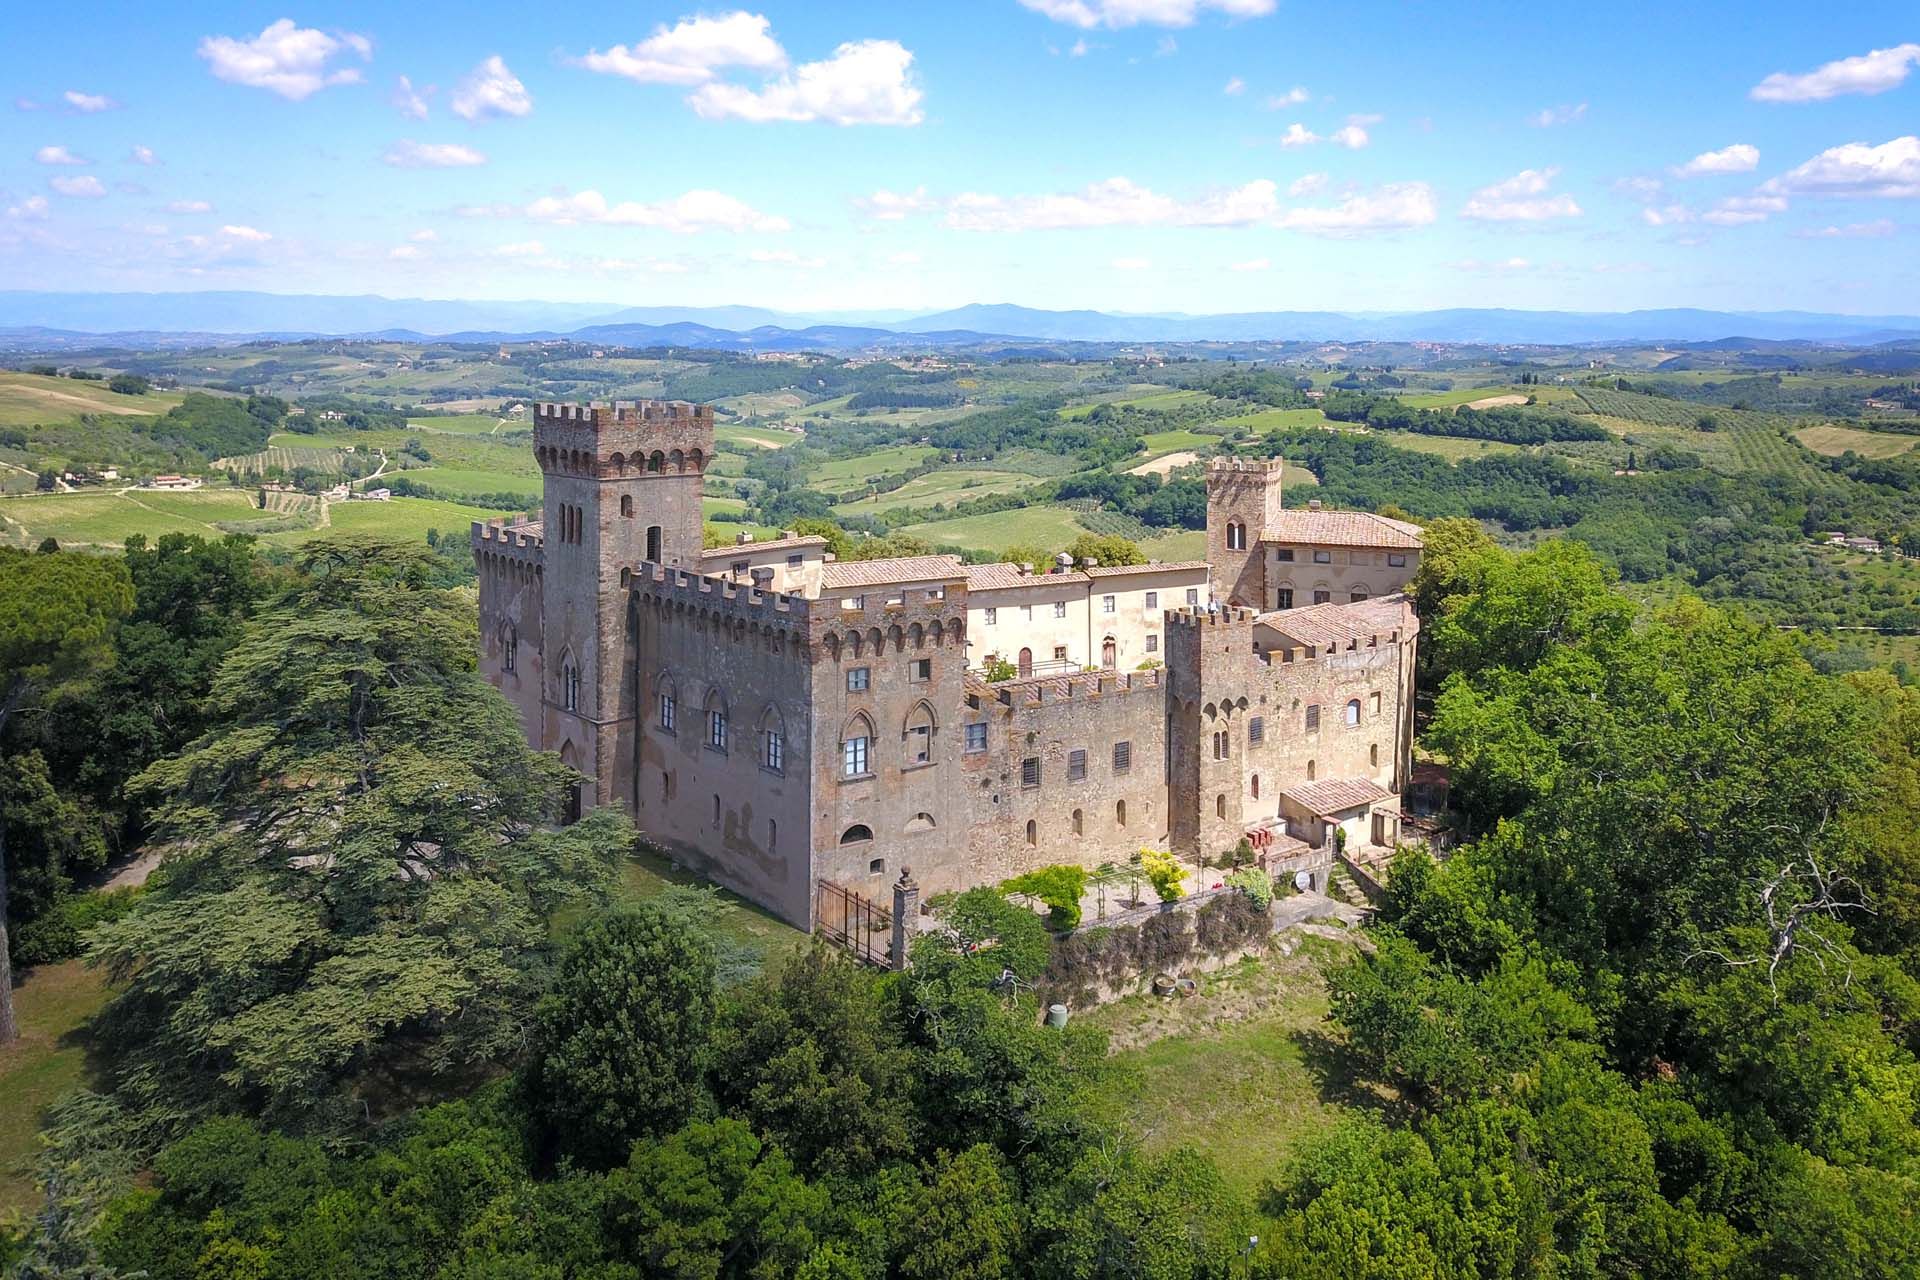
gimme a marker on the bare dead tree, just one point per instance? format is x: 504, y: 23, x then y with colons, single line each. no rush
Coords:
x: 1798, y: 899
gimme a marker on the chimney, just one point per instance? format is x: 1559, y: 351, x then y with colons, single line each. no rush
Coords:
x: 1026, y: 570
x: 1313, y: 504
x: 1088, y: 562
x: 742, y: 539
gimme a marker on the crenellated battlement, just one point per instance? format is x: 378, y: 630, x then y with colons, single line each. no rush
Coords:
x: 680, y: 588
x: 508, y: 538
x: 1234, y: 465
x: 1201, y: 619
x: 601, y: 416
x: 623, y: 440
x: 1038, y: 690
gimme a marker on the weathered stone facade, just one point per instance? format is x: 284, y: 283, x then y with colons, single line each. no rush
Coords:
x: 781, y: 719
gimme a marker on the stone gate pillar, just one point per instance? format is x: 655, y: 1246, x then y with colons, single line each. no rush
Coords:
x: 906, y: 908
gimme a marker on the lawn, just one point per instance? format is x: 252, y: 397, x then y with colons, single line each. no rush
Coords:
x: 51, y: 1002
x: 1232, y: 1070
x: 936, y: 487
x: 1452, y: 448
x: 29, y: 398
x: 1834, y: 441
x: 107, y: 519
x: 1181, y: 544
x: 468, y: 424
x: 1271, y: 419
x: 764, y: 437
x: 456, y: 483
x: 403, y: 519
x: 998, y: 530
x: 841, y: 474
x: 646, y: 874
x: 1175, y: 441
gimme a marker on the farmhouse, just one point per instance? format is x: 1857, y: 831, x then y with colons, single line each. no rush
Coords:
x: 793, y: 724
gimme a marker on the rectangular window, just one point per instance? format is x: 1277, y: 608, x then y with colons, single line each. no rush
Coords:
x: 1358, y: 597
x: 1059, y: 608
x: 853, y: 757
x: 1026, y: 613
x: 1059, y: 653
x: 1106, y: 604
x: 1283, y: 554
x: 857, y: 679
x: 919, y: 744
x: 1313, y: 718
x: 1193, y: 595
x: 1396, y: 559
x: 717, y: 730
x: 667, y: 710
x: 1076, y: 766
x: 1373, y: 704
x: 976, y: 738
x: 920, y: 670
x: 1322, y: 597
x: 794, y: 562
x: 1030, y: 773
x: 1122, y: 756
x: 740, y: 566
x: 1323, y: 557
x: 1256, y: 731
x: 1153, y: 599
x: 993, y: 617
x: 1283, y: 598
x: 773, y: 750
x: 1153, y: 644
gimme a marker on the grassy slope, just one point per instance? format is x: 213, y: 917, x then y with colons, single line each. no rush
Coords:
x: 842, y: 474
x: 109, y: 518
x: 1834, y: 441
x: 51, y: 1002
x: 27, y: 398
x: 995, y: 531
x: 956, y: 485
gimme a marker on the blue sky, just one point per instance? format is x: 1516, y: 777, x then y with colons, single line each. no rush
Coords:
x: 1140, y: 155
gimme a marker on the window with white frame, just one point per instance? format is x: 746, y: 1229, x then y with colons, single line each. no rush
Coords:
x: 976, y: 738
x: 856, y: 752
x: 1059, y: 608
x: 857, y: 678
x: 1323, y: 557
x: 1397, y: 560
x: 1193, y: 595
x: 717, y: 726
x: 1106, y: 604
x: 992, y: 618
x: 668, y: 707
x: 1153, y: 644
x: 1153, y: 599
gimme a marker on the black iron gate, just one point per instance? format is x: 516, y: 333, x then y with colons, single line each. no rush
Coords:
x: 855, y: 922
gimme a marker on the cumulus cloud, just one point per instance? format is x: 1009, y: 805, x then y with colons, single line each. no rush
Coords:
x: 1548, y: 117
x: 1298, y: 135
x: 86, y: 187
x: 1117, y: 202
x: 409, y: 101
x: 251, y: 235
x: 1666, y: 215
x: 1888, y: 171
x: 294, y: 62
x: 1738, y: 158
x: 1291, y: 98
x: 692, y: 212
x: 189, y: 206
x: 1737, y: 211
x: 142, y: 155
x: 1869, y: 73
x: 893, y: 206
x: 88, y: 103
x: 1307, y: 184
x: 1639, y: 187
x: 408, y: 154
x: 1877, y: 229
x: 1521, y: 198
x: 1397, y: 206
x: 1252, y: 264
x: 693, y: 49
x: 491, y: 90
x: 1159, y: 13
x: 864, y: 82
x: 1352, y: 135
x: 32, y: 209
x: 59, y: 156
x: 1234, y: 87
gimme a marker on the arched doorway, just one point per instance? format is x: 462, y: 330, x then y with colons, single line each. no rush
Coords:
x: 1109, y: 653
x: 1026, y: 663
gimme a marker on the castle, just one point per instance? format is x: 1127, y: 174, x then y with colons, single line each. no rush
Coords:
x: 784, y: 720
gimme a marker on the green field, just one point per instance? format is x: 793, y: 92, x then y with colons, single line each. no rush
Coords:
x: 1452, y: 448
x: 456, y: 483
x: 108, y: 519
x: 998, y: 530
x: 1271, y: 419
x: 468, y: 424
x: 841, y: 474
x: 956, y: 485
x: 52, y: 1003
x: 285, y: 457
x: 1181, y: 544
x: 405, y: 519
x: 1152, y: 400
x: 1834, y: 441
x: 1174, y: 441
x: 772, y: 938
x: 762, y: 437
x: 28, y: 398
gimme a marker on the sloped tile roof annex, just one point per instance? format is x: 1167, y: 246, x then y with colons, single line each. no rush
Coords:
x: 1006, y: 576
x: 1171, y: 566
x: 771, y: 544
x: 1329, y: 626
x: 839, y: 575
x: 1342, y: 529
x: 1335, y: 795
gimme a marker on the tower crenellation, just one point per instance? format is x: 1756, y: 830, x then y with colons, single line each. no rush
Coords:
x: 1243, y: 504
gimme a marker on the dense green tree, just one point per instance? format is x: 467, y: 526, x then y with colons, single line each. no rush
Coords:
x: 359, y: 881
x: 963, y: 1222
x: 1109, y: 549
x: 622, y: 1039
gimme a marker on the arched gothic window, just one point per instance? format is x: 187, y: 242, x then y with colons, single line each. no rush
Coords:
x: 773, y: 741
x: 716, y: 726
x: 569, y: 683
x: 919, y: 735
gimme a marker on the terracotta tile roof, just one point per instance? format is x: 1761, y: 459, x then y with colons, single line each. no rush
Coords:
x: 1335, y: 795
x: 1174, y: 566
x: 838, y: 575
x: 733, y: 549
x: 1343, y: 529
x: 532, y: 529
x: 1005, y: 577
x: 1328, y: 626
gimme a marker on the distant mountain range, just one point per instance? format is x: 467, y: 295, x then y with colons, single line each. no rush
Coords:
x: 65, y: 318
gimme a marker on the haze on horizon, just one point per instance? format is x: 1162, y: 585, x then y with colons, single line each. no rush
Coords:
x: 1145, y: 156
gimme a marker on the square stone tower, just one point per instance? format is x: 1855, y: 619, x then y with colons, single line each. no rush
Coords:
x: 1243, y: 503
x: 622, y: 486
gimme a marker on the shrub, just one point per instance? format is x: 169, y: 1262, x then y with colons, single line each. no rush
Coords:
x: 1059, y: 887
x: 1000, y: 934
x: 1256, y: 884
x: 999, y: 669
x: 1165, y: 941
x: 1164, y: 873
x: 1229, y: 922
x: 57, y: 935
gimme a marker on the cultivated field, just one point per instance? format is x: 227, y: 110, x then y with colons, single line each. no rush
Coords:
x: 1833, y: 441
x: 936, y: 487
x: 842, y: 474
x: 108, y: 519
x: 30, y: 398
x: 998, y: 530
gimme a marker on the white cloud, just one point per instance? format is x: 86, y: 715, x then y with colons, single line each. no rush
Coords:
x: 1080, y: 48
x: 491, y: 90
x: 87, y: 187
x: 1890, y: 171
x: 1736, y: 211
x: 1352, y: 135
x: 405, y: 253
x: 1298, y: 135
x: 893, y: 206
x: 252, y: 235
x: 142, y: 155
x: 1397, y: 206
x: 1159, y: 13
x: 1668, y: 216
x: 33, y: 208
x: 1738, y: 158
x: 284, y: 59
x: 1252, y: 264
x: 904, y: 258
x: 1308, y: 184
x: 785, y: 258
x: 1234, y: 87
x: 88, y: 103
x: 692, y: 50
x: 425, y: 235
x: 1291, y: 98
x: 1117, y: 202
x: 520, y: 249
x: 58, y: 155
x: 1521, y: 198
x: 1874, y: 72
x: 692, y: 212
x: 409, y: 101
x: 864, y: 82
x: 408, y: 154
x: 1878, y: 228
x: 1548, y: 117
x: 1132, y: 264
x: 1639, y: 187
x: 189, y: 206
